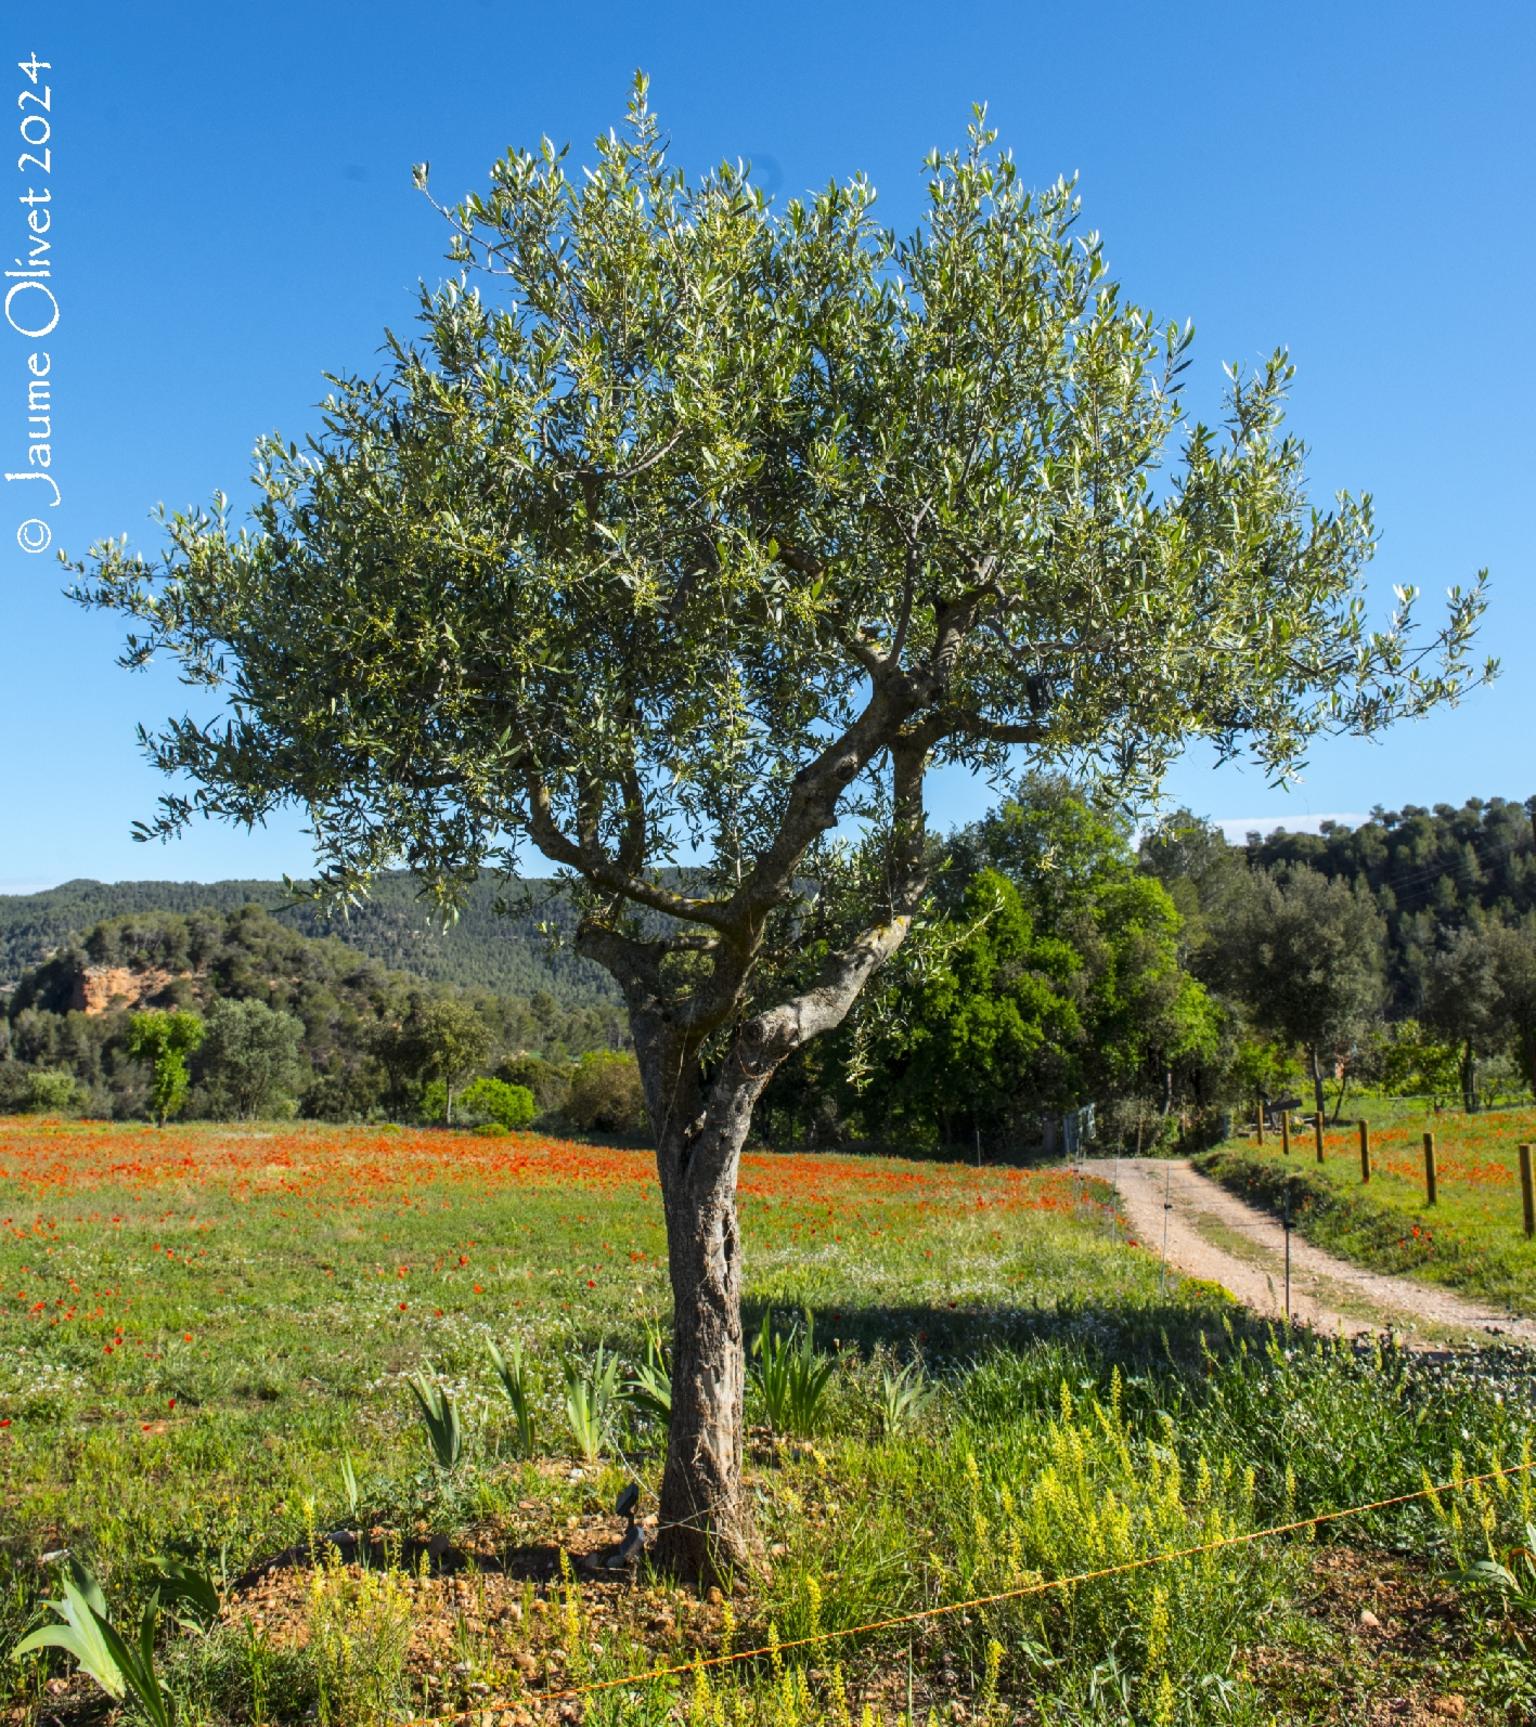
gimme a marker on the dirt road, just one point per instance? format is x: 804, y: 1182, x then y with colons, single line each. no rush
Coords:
x: 1213, y: 1234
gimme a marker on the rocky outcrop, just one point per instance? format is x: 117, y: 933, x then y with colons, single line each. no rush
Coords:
x: 99, y: 988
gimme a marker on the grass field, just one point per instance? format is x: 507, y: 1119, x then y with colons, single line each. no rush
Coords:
x: 203, y: 1329
x: 1473, y: 1238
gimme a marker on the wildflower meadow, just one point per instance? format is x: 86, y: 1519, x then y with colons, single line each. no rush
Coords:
x: 262, y: 1356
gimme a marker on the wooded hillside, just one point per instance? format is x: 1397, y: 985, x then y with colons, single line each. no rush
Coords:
x: 507, y: 954
x: 350, y: 1035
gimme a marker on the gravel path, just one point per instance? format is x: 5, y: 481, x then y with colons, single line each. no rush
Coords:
x: 1213, y: 1234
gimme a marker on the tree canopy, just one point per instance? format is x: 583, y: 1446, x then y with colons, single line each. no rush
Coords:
x: 250, y: 1060
x: 1047, y: 975
x: 1305, y: 953
x: 689, y: 490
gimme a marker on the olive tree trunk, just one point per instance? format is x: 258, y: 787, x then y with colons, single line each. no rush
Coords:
x: 705, y: 1056
x: 704, y: 1531
x: 701, y: 1120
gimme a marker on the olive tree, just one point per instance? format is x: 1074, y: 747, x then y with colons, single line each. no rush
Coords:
x: 688, y: 528
x: 1474, y: 990
x: 251, y: 1058
x: 1305, y: 953
x: 444, y: 1042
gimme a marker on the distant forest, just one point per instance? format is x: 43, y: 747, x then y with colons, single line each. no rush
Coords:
x: 321, y: 1028
x: 1429, y: 871
x: 1166, y: 982
x: 506, y: 954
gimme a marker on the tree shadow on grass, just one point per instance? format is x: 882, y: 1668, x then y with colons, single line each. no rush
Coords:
x: 1172, y: 1335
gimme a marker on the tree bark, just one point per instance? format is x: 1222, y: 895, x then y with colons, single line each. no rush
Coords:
x: 704, y: 1528
x: 1527, y: 1045
x: 1317, y: 1084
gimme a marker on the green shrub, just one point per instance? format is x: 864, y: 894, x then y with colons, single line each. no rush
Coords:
x: 496, y: 1102
x: 606, y: 1095
x: 51, y: 1091
x: 547, y: 1080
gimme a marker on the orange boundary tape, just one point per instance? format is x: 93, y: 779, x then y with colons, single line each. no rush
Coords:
x: 700, y: 1663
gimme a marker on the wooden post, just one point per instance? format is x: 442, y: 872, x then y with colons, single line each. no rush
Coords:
x: 1365, y: 1150
x: 1258, y: 1116
x: 1285, y: 1132
x: 1430, y: 1190
x: 1317, y: 1128
x: 1527, y: 1195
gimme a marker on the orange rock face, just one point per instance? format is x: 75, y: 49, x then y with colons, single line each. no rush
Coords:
x: 100, y: 987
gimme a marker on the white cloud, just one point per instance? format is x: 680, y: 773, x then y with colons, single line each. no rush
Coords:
x: 1237, y: 828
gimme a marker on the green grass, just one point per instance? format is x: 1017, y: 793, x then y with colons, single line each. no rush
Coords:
x: 1472, y: 1239
x: 198, y: 1328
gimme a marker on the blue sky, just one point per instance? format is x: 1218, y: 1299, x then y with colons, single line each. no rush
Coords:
x: 233, y: 214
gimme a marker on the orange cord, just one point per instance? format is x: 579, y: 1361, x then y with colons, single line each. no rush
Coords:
x: 699, y: 1663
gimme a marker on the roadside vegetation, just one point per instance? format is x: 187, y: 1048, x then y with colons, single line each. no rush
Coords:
x: 1471, y: 1239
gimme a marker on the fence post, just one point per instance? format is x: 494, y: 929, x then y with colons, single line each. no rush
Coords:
x: 1526, y: 1193
x: 1258, y: 1116
x: 1365, y: 1150
x: 1429, y: 1168
x: 1317, y: 1128
x: 1285, y: 1132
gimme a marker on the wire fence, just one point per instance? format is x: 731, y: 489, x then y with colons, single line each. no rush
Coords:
x: 1275, y: 1126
